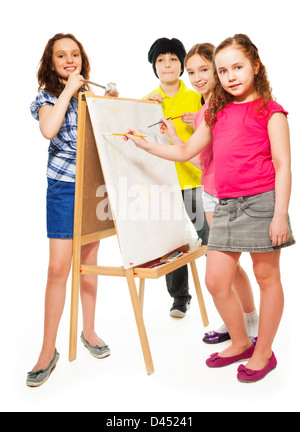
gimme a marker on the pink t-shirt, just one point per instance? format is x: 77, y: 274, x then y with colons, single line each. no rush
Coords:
x: 242, y: 151
x: 206, y: 158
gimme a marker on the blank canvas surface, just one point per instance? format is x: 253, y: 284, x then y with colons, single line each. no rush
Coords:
x: 144, y: 192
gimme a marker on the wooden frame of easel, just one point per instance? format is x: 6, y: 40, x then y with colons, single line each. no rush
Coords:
x: 88, y: 229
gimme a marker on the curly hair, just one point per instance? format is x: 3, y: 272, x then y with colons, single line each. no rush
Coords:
x: 47, y: 78
x: 220, y: 98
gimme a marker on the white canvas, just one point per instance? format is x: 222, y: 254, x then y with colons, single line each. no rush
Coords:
x: 143, y: 189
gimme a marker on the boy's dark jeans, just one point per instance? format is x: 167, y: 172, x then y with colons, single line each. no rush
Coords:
x: 178, y: 280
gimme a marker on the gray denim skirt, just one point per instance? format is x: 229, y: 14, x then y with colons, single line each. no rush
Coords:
x: 242, y: 224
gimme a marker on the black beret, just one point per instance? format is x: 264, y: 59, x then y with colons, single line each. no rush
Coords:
x: 164, y: 46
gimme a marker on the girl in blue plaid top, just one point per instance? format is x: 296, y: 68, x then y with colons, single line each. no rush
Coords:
x: 64, y: 67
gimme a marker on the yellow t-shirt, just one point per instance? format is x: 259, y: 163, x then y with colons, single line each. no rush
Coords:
x: 186, y: 100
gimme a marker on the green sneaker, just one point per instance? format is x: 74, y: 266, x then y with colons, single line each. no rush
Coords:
x: 96, y: 351
x: 39, y: 377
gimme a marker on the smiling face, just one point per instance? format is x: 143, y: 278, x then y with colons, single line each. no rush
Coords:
x: 201, y: 75
x: 168, y: 68
x: 66, y: 58
x: 236, y: 73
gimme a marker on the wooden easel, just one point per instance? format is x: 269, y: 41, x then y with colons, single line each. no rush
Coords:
x: 88, y: 229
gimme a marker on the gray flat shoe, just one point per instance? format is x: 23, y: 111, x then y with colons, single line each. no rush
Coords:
x: 96, y: 351
x: 39, y: 377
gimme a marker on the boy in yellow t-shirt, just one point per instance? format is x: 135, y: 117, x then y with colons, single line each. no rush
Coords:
x: 167, y: 58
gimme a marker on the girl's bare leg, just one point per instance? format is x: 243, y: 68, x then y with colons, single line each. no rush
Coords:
x: 220, y: 270
x: 267, y: 273
x: 58, y: 271
x: 209, y: 217
x: 241, y: 284
x: 88, y: 292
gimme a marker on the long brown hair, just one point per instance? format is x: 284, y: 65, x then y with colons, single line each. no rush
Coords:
x: 204, y: 50
x: 47, y: 78
x: 220, y: 98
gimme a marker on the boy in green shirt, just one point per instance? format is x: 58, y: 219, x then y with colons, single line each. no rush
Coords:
x: 167, y: 58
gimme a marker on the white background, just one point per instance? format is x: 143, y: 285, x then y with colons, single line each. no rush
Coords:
x: 117, y: 36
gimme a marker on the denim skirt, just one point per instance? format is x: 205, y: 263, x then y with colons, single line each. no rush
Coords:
x: 60, y: 209
x: 242, y: 224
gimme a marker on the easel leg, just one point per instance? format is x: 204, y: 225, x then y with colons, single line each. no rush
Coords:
x: 139, y: 321
x: 74, y: 305
x: 199, y: 293
x: 142, y: 293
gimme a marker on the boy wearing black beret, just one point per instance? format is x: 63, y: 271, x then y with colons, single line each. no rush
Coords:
x: 167, y: 59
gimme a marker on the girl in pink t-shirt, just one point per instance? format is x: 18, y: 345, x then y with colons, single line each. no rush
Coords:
x: 199, y: 66
x: 250, y: 136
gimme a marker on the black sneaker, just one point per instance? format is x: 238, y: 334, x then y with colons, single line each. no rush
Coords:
x: 179, y: 308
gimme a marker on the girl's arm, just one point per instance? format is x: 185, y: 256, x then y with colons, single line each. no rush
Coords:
x: 172, y: 136
x: 196, y: 162
x: 52, y: 117
x: 182, y: 152
x: 278, y: 130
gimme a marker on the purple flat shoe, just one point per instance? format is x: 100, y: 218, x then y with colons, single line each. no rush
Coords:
x: 215, y: 361
x: 246, y: 375
x: 214, y: 337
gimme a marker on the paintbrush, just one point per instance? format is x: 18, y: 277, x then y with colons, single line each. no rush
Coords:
x: 108, y: 87
x: 169, y: 118
x: 97, y: 85
x: 119, y: 134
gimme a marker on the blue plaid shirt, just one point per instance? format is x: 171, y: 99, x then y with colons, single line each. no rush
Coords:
x: 62, y: 148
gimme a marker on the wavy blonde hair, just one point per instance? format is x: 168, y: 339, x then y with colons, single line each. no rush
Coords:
x: 220, y: 98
